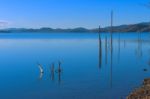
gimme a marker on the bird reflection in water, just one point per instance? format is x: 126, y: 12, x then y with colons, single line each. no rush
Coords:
x: 41, y: 76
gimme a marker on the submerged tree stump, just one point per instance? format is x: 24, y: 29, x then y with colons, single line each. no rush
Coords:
x: 141, y: 93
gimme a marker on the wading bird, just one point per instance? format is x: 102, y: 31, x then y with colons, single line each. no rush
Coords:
x: 40, y: 68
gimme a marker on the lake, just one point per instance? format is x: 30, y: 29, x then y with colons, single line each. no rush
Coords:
x: 91, y: 68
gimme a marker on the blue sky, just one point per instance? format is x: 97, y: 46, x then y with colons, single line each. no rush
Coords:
x: 71, y: 13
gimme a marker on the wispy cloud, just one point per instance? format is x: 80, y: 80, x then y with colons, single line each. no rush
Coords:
x: 4, y: 22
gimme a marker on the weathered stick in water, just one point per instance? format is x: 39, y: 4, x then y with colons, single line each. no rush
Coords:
x: 111, y: 49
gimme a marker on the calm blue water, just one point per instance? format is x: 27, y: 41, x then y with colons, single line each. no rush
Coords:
x: 90, y: 70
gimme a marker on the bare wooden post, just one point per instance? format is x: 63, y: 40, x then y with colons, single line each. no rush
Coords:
x: 111, y: 31
x: 111, y: 63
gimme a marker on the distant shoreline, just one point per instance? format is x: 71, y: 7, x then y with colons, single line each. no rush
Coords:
x: 140, y: 27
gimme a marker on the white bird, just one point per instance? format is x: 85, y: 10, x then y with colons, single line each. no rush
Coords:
x: 41, y: 68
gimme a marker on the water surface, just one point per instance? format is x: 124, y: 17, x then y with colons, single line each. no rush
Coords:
x: 92, y: 68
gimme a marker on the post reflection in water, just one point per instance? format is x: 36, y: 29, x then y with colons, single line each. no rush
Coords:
x: 59, y: 77
x: 100, y: 50
x: 139, y: 50
x: 59, y: 72
x: 124, y: 43
x: 52, y: 72
x: 40, y: 76
x: 119, y: 48
x: 106, y: 49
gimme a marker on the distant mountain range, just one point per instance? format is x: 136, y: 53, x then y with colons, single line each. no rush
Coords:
x: 140, y: 27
